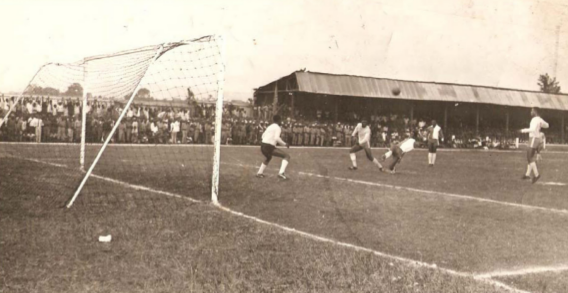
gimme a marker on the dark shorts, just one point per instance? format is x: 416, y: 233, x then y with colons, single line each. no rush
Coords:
x: 397, y: 152
x: 267, y: 150
x: 365, y: 147
x: 432, y: 145
x: 531, y: 155
x: 535, y: 146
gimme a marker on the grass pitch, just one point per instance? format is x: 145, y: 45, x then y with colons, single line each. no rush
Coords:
x: 169, y: 244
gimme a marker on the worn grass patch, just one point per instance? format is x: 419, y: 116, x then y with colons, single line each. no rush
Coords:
x: 163, y: 244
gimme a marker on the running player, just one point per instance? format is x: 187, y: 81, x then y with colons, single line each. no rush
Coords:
x: 398, y: 150
x: 535, y: 140
x: 434, y: 136
x: 364, y: 132
x: 270, y: 139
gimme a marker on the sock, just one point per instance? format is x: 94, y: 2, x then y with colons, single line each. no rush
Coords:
x: 535, y: 170
x: 433, y: 159
x: 429, y: 158
x: 262, y: 167
x: 529, y: 168
x: 388, y: 154
x: 353, y: 159
x: 376, y: 162
x: 283, y: 167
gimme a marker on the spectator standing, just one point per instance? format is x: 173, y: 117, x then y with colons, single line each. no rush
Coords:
x: 208, y: 132
x: 61, y: 125
x: 77, y: 129
x: 47, y: 125
x: 71, y: 108
x: 300, y: 134
x: 70, y: 131
x: 33, y: 124
x: 295, y: 134
x: 166, y: 127
x: 249, y: 131
x: 38, y: 130
x: 107, y: 127
x: 77, y: 109
x: 347, y: 134
x: 329, y: 133
x: 121, y: 132
x: 184, y: 130
x: 97, y: 130
x: 323, y: 134
x: 129, y: 128
x: 197, y: 132
x: 339, y: 132
x: 134, y: 130
x: 175, y: 128
x: 313, y: 134
x: 154, y: 130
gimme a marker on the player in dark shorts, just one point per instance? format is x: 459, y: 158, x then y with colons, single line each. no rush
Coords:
x: 397, y: 151
x: 363, y: 142
x: 434, y: 135
x: 270, y: 139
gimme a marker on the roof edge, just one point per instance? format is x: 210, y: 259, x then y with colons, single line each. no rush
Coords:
x: 429, y: 82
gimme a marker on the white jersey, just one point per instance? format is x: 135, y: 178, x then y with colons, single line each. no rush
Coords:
x: 272, y: 135
x: 407, y: 145
x: 29, y: 107
x: 175, y: 127
x: 154, y: 127
x: 33, y: 122
x: 536, y: 124
x: 435, y: 134
x: 364, y: 133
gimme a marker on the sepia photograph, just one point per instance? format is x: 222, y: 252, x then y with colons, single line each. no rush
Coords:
x: 284, y: 146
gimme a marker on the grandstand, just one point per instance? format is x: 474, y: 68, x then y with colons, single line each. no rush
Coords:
x: 302, y: 94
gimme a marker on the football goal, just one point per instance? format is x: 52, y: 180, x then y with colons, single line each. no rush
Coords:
x: 148, y: 117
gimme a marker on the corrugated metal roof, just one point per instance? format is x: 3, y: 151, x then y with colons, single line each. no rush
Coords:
x: 370, y: 87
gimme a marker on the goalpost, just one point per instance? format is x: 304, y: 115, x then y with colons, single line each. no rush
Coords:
x: 149, y: 116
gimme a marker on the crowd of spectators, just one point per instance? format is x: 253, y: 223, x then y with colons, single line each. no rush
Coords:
x: 59, y: 120
x: 388, y: 129
x: 42, y: 119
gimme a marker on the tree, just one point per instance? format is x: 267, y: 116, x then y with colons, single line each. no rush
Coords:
x: 50, y: 91
x: 548, y: 85
x: 74, y: 90
x: 38, y: 90
x: 32, y: 89
x: 143, y: 93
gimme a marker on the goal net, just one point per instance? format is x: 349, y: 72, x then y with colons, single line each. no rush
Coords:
x: 145, y: 118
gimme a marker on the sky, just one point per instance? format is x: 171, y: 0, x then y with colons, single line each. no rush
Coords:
x: 504, y: 43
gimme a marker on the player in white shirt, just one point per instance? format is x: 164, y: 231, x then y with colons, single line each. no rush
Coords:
x: 270, y: 139
x: 434, y: 136
x: 363, y: 131
x: 399, y: 150
x: 535, y: 142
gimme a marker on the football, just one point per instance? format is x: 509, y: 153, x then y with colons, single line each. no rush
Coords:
x: 396, y: 91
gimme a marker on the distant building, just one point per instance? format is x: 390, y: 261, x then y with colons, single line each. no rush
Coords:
x: 314, y: 96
